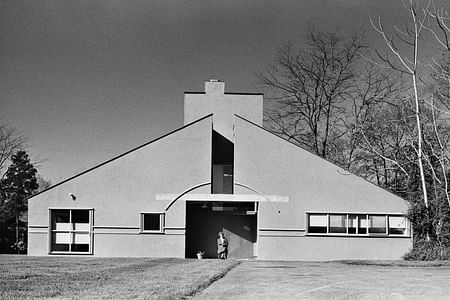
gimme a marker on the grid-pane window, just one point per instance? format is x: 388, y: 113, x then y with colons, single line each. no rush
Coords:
x: 338, y: 224
x: 152, y: 222
x: 318, y: 223
x: 71, y: 230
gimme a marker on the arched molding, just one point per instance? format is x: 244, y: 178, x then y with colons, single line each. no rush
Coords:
x: 185, y: 192
x: 258, y: 193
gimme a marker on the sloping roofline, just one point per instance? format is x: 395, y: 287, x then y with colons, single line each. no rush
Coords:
x: 315, y: 154
x: 121, y: 155
x: 196, y: 121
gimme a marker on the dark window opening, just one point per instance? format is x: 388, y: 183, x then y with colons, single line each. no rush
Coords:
x: 222, y: 164
x: 152, y: 222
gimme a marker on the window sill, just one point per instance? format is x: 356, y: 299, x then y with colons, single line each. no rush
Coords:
x: 151, y: 232
x: 69, y: 253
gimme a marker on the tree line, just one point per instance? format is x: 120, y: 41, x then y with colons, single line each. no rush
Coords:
x: 19, y: 180
x: 381, y: 113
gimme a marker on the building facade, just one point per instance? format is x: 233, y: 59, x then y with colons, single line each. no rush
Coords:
x: 221, y: 171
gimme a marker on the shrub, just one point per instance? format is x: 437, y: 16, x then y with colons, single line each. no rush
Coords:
x: 428, y: 250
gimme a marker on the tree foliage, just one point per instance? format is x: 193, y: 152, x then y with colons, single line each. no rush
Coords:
x: 18, y: 184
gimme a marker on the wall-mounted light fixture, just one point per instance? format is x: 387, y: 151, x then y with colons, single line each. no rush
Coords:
x: 73, y: 196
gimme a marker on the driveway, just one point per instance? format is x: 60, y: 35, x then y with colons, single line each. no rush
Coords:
x: 333, y: 280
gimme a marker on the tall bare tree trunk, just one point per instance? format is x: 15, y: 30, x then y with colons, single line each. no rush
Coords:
x: 17, y: 234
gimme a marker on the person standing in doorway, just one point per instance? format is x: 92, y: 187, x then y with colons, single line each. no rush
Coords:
x: 222, y: 246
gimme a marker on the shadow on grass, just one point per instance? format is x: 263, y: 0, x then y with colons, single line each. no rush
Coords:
x: 396, y: 263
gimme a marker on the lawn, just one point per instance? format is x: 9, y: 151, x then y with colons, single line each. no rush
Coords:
x: 23, y: 277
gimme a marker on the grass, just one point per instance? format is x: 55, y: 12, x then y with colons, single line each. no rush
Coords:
x: 23, y: 277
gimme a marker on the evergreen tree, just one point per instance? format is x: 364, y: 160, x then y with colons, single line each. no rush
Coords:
x: 18, y: 184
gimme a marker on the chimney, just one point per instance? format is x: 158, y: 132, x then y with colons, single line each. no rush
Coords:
x: 214, y: 86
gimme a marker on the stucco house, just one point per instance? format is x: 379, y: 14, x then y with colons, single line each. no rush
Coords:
x: 221, y: 171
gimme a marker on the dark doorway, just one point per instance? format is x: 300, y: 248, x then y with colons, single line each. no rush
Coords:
x: 205, y: 219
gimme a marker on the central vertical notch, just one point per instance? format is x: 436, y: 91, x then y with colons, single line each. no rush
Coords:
x: 222, y: 164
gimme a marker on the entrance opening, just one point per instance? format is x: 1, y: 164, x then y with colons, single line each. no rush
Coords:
x: 237, y: 220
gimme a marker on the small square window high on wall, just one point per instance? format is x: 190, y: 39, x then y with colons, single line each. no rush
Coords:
x: 152, y: 222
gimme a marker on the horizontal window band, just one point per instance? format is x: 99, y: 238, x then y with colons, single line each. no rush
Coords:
x: 358, y: 236
x: 356, y: 213
x: 37, y: 226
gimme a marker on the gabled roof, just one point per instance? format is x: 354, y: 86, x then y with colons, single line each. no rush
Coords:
x: 318, y: 156
x: 122, y: 155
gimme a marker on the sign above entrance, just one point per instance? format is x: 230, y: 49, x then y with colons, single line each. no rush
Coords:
x: 224, y: 197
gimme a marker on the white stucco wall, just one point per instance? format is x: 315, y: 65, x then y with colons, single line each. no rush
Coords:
x: 121, y: 189
x: 273, y: 166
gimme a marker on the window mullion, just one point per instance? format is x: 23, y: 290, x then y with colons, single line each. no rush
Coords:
x: 386, y: 221
x: 367, y: 224
x: 328, y: 223
x: 346, y: 229
x: 70, y: 230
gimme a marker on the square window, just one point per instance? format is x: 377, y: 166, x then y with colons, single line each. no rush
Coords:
x: 317, y: 223
x: 70, y: 230
x: 397, y: 225
x: 338, y: 224
x: 377, y: 224
x: 152, y: 222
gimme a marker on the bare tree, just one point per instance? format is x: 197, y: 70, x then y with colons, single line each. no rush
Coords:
x: 10, y: 142
x: 409, y: 65
x: 312, y: 87
x: 376, y: 89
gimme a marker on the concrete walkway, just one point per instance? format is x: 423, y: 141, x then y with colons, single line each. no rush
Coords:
x: 302, y: 280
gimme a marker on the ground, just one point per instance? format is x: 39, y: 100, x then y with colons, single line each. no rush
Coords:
x: 24, y: 277
x: 333, y: 280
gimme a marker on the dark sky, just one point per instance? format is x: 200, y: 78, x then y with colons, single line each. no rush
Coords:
x: 87, y: 80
